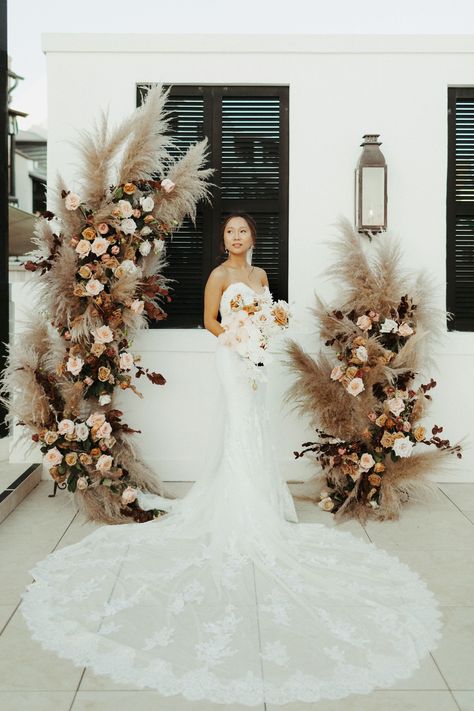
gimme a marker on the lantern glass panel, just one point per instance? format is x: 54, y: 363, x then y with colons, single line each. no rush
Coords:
x: 373, y: 195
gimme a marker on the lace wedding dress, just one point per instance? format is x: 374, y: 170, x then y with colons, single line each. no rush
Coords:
x: 227, y: 598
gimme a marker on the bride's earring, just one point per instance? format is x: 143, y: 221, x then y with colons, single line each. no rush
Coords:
x: 227, y: 252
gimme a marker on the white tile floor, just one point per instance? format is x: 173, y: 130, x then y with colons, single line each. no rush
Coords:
x: 436, y: 539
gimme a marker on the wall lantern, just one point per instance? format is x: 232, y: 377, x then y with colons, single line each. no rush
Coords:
x: 371, y: 187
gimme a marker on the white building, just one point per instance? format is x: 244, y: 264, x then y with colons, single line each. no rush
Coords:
x: 339, y: 88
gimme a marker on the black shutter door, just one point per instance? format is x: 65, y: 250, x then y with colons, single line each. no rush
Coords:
x: 247, y: 129
x: 460, y: 209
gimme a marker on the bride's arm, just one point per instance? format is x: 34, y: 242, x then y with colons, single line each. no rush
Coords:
x: 212, y: 297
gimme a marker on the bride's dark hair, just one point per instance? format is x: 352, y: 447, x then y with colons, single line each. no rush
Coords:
x: 250, y: 221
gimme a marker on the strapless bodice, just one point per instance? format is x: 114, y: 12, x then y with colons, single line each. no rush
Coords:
x: 240, y: 288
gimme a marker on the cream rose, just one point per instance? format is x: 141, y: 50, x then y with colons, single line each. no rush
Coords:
x: 403, y: 446
x: 53, y: 457
x: 74, y: 364
x: 72, y: 201
x: 82, y: 431
x: 94, y: 287
x: 83, y: 248
x: 105, y: 399
x: 96, y: 419
x: 103, y: 334
x: 125, y: 207
x: 145, y: 248
x: 327, y: 504
x: 355, y: 386
x: 104, y: 462
x: 66, y: 427
x: 147, y: 203
x: 82, y: 483
x: 367, y: 461
x: 100, y: 245
x: 396, y: 405
x: 389, y: 326
x: 128, y: 226
x: 159, y: 245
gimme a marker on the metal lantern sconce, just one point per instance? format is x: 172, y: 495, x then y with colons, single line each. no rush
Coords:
x: 371, y: 187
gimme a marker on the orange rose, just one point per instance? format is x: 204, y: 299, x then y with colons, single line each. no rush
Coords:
x: 379, y: 467
x: 79, y: 290
x: 419, y: 433
x: 387, y: 440
x: 375, y: 479
x: 89, y: 233
x: 103, y: 373
x: 280, y: 315
x: 95, y: 452
x: 129, y: 188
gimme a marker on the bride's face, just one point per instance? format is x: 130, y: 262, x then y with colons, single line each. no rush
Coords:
x: 237, y: 236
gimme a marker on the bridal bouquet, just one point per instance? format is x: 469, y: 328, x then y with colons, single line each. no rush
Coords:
x: 249, y: 327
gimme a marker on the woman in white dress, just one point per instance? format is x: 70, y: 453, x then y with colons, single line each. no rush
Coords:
x: 227, y: 598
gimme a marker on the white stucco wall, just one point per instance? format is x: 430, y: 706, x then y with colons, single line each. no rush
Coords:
x: 341, y: 87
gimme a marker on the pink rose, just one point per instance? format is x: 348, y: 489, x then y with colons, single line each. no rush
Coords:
x: 129, y: 495
x: 167, y: 185
x: 364, y: 322
x: 372, y: 416
x: 103, y: 228
x: 115, y: 249
x: 104, y: 430
x: 355, y: 386
x: 396, y: 405
x: 126, y: 361
x: 405, y: 330
x: 337, y: 373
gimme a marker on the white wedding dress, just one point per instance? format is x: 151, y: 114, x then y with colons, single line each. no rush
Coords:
x: 227, y: 598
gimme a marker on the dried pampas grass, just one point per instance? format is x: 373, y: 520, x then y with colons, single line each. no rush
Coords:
x: 372, y: 284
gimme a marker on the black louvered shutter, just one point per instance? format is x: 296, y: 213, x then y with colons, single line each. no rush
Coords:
x: 460, y: 209
x: 247, y: 127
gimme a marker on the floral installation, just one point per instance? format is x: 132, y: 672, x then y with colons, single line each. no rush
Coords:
x: 249, y: 328
x: 373, y: 452
x: 99, y: 262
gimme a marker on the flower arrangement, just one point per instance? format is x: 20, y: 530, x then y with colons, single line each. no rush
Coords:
x: 249, y: 328
x: 373, y: 452
x: 100, y: 280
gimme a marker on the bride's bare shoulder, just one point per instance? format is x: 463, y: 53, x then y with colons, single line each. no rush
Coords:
x: 217, y: 277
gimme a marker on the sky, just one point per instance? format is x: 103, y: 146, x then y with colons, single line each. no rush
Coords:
x: 28, y: 19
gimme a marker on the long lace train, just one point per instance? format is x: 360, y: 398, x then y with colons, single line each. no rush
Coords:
x: 227, y: 598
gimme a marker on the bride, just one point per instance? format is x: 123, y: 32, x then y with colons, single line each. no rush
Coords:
x: 227, y: 597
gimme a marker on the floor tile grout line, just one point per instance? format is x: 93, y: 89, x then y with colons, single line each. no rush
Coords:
x: 456, y: 506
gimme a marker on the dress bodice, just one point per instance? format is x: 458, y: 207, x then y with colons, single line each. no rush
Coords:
x: 240, y: 289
